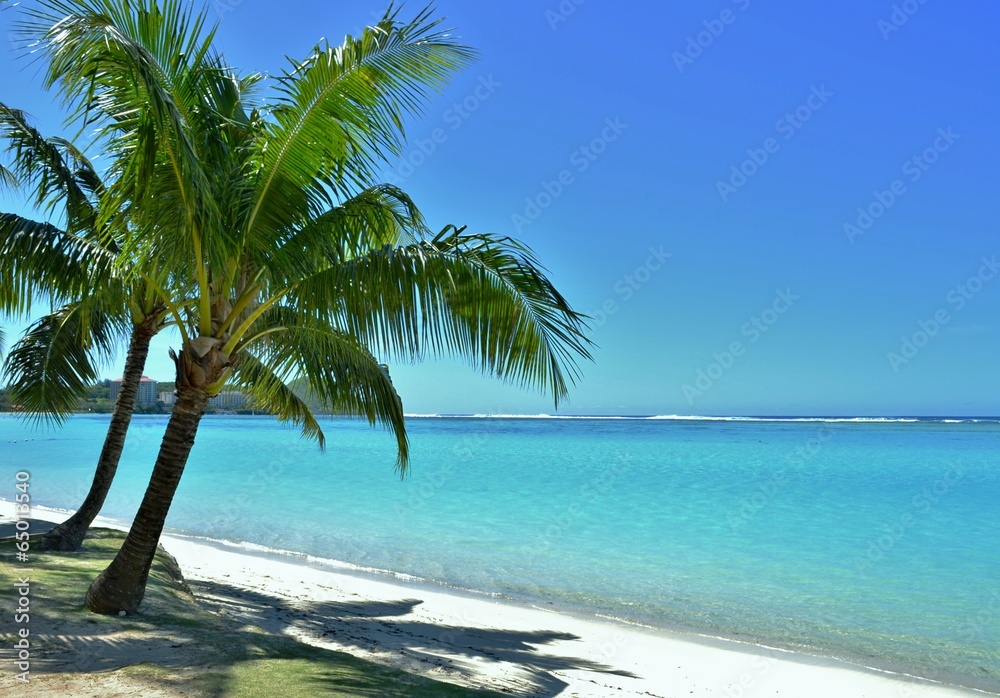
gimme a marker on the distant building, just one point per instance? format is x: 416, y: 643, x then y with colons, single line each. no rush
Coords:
x: 229, y: 400
x: 147, y: 391
x: 226, y: 400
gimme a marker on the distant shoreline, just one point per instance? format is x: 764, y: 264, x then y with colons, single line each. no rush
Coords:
x: 834, y: 419
x: 830, y: 419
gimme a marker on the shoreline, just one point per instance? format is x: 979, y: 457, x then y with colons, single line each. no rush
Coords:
x: 828, y: 419
x: 581, y: 613
x: 484, y: 640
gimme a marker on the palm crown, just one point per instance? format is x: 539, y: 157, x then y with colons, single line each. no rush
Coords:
x: 59, y: 355
x: 264, y: 234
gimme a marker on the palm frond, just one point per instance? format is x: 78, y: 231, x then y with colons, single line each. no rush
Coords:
x: 258, y: 382
x: 339, y: 115
x: 481, y: 297
x: 8, y: 179
x: 378, y: 216
x: 37, y: 258
x: 62, y: 177
x: 336, y: 367
x: 51, y: 366
x: 138, y: 71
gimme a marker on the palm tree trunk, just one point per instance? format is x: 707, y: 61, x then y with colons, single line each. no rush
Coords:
x: 68, y: 536
x: 123, y: 584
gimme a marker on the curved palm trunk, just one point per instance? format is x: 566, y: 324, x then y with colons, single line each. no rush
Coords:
x: 68, y: 536
x: 123, y: 584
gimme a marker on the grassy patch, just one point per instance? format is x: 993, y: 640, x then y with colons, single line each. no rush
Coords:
x: 174, y: 647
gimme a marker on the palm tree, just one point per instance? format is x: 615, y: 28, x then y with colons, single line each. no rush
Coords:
x: 146, y: 322
x: 50, y: 367
x: 302, y: 266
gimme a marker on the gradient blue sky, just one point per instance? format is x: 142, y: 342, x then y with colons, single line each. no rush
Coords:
x: 611, y: 135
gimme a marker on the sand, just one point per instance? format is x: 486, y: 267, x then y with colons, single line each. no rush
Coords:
x: 481, y: 641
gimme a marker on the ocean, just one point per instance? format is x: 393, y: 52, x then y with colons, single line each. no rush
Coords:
x: 872, y: 540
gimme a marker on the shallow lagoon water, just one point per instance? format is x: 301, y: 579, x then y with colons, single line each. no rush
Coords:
x: 876, y: 541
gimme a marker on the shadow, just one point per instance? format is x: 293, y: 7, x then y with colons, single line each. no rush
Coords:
x: 380, y: 627
x: 229, y: 629
x: 35, y: 527
x: 369, y: 609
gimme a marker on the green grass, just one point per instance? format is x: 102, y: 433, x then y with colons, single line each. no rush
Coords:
x: 213, y: 658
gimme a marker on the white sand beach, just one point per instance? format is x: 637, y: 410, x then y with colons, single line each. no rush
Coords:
x: 481, y: 641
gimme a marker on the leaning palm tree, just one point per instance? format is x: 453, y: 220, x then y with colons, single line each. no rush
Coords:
x: 303, y: 266
x: 57, y: 358
x: 51, y: 346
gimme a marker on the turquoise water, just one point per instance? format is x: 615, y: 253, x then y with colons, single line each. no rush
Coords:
x: 873, y: 541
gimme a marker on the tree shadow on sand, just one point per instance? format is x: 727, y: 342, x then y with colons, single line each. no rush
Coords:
x: 381, y: 626
x: 186, y: 647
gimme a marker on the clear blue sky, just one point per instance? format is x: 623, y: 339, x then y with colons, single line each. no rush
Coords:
x: 691, y: 174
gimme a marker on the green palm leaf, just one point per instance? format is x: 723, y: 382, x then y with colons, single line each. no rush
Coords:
x: 380, y: 215
x: 8, y: 179
x: 52, y: 365
x: 339, y: 115
x: 337, y: 368
x: 37, y: 258
x: 270, y: 392
x: 472, y: 295
x: 61, y: 176
x: 139, y: 71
